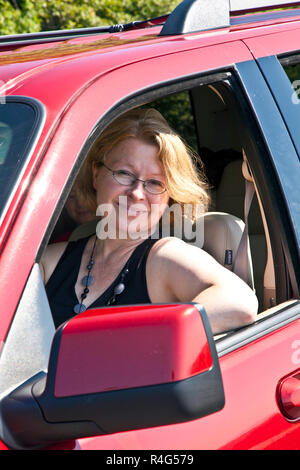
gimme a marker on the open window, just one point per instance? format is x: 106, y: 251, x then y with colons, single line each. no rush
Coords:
x: 213, y: 118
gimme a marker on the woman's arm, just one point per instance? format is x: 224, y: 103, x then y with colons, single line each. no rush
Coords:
x: 189, y: 274
x: 50, y: 259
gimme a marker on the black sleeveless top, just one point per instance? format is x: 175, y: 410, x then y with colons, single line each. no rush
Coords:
x: 60, y: 287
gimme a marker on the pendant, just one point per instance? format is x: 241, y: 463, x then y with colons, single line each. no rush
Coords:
x: 87, y: 280
x: 119, y: 288
x: 79, y: 308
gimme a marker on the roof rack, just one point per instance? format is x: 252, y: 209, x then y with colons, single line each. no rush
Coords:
x: 188, y: 17
x: 64, y: 34
x: 199, y: 15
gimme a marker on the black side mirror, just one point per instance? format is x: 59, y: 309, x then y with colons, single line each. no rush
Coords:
x: 118, y: 369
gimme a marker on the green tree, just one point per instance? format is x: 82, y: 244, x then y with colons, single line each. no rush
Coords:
x: 18, y: 17
x: 25, y: 16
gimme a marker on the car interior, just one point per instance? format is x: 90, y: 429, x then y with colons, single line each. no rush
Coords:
x: 208, y: 119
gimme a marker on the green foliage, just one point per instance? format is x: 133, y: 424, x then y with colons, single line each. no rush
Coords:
x: 25, y: 16
x: 293, y: 72
x: 179, y: 114
x: 18, y: 17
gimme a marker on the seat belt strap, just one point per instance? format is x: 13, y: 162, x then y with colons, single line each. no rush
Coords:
x: 241, y: 265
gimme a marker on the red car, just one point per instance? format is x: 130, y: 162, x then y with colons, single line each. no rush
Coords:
x: 153, y: 376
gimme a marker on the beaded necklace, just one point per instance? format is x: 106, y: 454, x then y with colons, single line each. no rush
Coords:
x: 88, y: 279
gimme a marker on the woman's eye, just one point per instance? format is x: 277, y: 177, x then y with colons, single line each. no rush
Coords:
x: 124, y: 173
x: 156, y: 183
x: 124, y: 177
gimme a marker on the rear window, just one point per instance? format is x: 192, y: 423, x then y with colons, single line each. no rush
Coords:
x: 291, y: 65
x: 19, y: 125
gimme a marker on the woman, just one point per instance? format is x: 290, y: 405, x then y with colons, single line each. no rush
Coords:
x: 137, y: 169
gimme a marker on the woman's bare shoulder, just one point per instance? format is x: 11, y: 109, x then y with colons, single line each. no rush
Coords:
x: 173, y: 248
x: 175, y: 268
x: 168, y: 243
x: 50, y: 258
x: 184, y: 261
x: 173, y: 253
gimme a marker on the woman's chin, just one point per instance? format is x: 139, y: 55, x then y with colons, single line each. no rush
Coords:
x: 133, y: 230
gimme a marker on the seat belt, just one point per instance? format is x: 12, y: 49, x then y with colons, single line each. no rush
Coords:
x: 241, y: 265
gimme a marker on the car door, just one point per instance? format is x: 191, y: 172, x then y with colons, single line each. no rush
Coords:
x: 259, y: 364
x: 255, y: 360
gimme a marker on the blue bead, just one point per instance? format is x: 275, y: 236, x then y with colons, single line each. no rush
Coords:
x: 79, y: 308
x: 119, y: 289
x: 87, y: 280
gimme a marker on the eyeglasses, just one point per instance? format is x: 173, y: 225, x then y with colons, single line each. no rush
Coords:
x: 126, y: 178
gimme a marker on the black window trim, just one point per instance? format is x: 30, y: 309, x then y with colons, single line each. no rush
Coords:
x: 280, y: 87
x: 291, y: 58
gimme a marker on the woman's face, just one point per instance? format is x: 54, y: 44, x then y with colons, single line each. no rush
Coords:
x: 132, y: 209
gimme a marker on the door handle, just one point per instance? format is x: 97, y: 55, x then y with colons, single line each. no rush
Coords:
x: 288, y: 396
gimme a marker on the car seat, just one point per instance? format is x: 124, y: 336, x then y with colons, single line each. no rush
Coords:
x: 230, y: 196
x: 223, y: 233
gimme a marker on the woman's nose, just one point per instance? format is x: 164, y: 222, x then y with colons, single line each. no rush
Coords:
x: 137, y: 190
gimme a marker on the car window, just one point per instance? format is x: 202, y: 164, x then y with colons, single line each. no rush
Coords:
x: 200, y: 114
x: 18, y: 128
x: 291, y: 66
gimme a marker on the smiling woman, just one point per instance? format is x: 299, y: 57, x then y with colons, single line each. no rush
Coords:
x: 184, y: 183
x: 138, y: 166
x: 120, y: 189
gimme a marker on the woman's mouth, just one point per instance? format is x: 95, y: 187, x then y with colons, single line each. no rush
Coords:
x: 131, y: 210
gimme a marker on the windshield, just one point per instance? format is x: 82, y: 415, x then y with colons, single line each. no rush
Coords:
x: 18, y: 129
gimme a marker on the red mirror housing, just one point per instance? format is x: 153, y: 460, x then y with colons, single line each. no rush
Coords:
x: 117, y: 369
x: 119, y: 347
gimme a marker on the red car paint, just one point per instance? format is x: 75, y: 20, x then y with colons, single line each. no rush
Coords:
x: 146, y: 358
x: 78, y: 81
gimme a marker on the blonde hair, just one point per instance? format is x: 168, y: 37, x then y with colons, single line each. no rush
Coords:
x: 185, y: 182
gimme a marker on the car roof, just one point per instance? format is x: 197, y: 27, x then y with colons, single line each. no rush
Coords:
x: 84, y: 58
